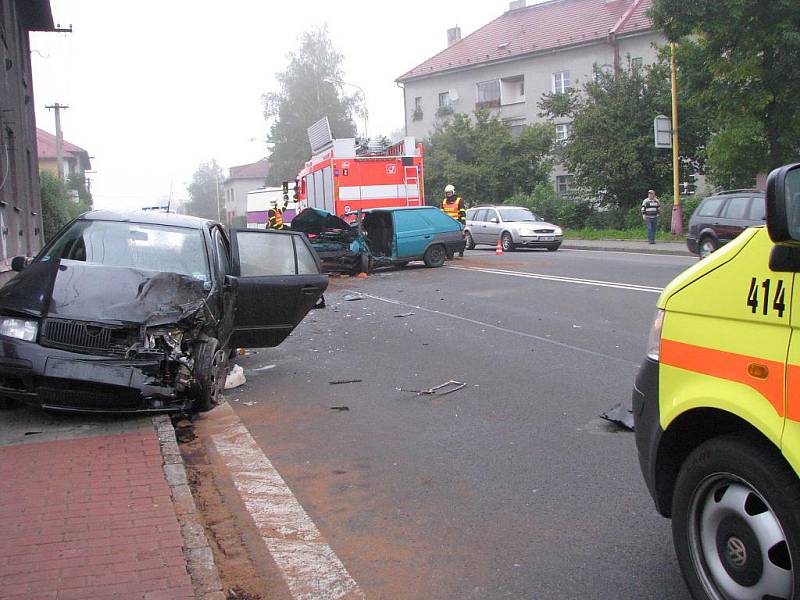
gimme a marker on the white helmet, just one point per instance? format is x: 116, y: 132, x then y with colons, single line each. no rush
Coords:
x: 449, y: 188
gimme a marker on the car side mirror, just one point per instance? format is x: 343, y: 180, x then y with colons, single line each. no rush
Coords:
x: 494, y: 220
x: 18, y: 263
x: 783, y: 205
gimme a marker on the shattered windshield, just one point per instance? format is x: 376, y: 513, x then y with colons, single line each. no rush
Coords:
x: 137, y: 245
x: 517, y: 214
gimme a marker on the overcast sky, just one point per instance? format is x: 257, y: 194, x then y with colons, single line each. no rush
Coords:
x: 155, y: 87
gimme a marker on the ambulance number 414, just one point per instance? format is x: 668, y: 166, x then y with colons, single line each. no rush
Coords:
x: 763, y: 290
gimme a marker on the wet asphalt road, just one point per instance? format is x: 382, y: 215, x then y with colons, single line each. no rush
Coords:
x: 509, y: 488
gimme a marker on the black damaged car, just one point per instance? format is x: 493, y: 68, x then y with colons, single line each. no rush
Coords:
x: 139, y: 312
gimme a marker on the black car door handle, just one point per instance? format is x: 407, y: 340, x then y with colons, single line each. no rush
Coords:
x: 309, y: 290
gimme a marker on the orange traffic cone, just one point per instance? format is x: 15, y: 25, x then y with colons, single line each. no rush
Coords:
x: 499, y: 250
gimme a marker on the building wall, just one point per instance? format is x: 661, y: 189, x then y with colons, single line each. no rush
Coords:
x: 538, y: 73
x: 20, y: 203
x: 235, y: 191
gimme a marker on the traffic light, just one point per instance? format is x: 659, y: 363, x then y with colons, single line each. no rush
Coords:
x: 296, y: 187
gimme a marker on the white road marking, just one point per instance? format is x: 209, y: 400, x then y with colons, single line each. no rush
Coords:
x: 575, y: 280
x: 498, y: 328
x: 651, y: 254
x: 308, y: 564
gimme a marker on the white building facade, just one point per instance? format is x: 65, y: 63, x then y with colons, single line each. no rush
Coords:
x: 508, y: 64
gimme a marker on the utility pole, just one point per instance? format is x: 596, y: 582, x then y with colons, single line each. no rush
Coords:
x: 677, y: 212
x: 59, y: 137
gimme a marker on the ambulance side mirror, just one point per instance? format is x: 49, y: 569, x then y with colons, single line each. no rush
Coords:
x: 783, y: 205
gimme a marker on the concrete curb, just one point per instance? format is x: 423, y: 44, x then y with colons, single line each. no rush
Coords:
x: 196, y: 550
x: 616, y: 247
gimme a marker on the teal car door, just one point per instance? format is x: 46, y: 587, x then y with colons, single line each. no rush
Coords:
x: 412, y: 232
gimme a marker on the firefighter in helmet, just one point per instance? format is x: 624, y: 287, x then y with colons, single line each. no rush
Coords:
x: 453, y: 206
x: 275, y: 214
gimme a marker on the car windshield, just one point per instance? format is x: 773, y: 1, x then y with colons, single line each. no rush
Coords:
x: 517, y: 214
x: 137, y: 245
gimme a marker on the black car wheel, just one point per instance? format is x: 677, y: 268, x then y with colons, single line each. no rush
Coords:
x: 210, y: 370
x: 435, y: 256
x: 707, y: 246
x: 468, y: 239
x: 507, y: 242
x: 735, y: 522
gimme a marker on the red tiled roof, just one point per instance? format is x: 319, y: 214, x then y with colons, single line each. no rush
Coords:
x: 256, y: 170
x: 46, y: 148
x: 539, y: 27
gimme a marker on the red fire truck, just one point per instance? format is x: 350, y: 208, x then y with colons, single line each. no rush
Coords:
x: 345, y: 177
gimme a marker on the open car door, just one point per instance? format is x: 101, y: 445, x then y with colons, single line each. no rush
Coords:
x: 276, y: 280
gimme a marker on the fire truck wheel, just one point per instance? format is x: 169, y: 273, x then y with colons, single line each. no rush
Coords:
x: 735, y: 522
x: 469, y: 240
x: 434, y: 256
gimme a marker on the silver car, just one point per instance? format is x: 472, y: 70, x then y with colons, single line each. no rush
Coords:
x: 512, y: 226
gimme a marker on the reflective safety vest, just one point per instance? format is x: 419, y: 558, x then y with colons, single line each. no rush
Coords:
x: 452, y: 209
x: 275, y: 218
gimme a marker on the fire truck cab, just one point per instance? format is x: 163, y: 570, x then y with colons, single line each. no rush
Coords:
x: 345, y: 177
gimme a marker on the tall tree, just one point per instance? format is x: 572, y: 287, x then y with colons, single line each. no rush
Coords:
x: 206, y: 198
x: 740, y: 64
x: 310, y: 89
x: 483, y: 160
x: 610, y: 149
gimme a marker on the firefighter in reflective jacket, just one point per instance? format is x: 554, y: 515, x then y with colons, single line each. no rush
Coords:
x: 453, y: 206
x: 275, y: 214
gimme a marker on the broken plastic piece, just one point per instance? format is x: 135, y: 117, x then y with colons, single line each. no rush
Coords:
x: 619, y: 415
x: 235, y: 378
x: 353, y: 297
x: 341, y: 381
x: 443, y: 389
x: 340, y: 408
x: 401, y: 315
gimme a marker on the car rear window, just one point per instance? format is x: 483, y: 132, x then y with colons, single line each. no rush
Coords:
x: 758, y: 209
x: 710, y: 206
x: 737, y: 208
x: 437, y: 218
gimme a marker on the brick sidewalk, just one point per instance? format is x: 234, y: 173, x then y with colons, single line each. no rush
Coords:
x: 89, y: 518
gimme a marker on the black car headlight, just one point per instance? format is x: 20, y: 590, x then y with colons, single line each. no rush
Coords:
x: 21, y: 329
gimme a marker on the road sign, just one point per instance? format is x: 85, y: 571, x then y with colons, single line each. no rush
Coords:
x: 662, y: 131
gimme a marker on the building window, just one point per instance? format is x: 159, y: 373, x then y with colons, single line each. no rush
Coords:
x: 564, y: 184
x: 444, y: 99
x: 417, y: 114
x: 636, y: 62
x: 561, y: 82
x: 512, y: 89
x: 488, y: 94
x: 562, y: 132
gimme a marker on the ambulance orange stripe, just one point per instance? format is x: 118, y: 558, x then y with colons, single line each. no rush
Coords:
x: 727, y: 365
x: 793, y: 393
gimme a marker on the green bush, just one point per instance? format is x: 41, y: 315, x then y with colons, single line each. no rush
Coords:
x: 566, y: 211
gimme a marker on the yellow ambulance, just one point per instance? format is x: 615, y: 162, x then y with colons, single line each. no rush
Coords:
x: 716, y: 407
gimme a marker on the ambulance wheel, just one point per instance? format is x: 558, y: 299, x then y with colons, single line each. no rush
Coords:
x: 210, y: 370
x: 469, y: 240
x: 735, y: 522
x: 507, y: 242
x: 434, y: 256
x: 707, y: 246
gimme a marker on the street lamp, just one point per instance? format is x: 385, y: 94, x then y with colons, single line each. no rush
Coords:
x: 363, y: 95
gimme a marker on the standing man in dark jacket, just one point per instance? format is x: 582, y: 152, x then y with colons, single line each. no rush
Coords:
x: 651, y: 208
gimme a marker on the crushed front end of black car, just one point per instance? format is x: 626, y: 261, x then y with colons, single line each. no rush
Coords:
x: 76, y: 336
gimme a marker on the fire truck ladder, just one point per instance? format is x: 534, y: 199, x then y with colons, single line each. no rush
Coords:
x: 411, y: 178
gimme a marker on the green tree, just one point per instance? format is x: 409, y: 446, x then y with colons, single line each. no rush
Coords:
x: 205, y: 192
x: 739, y: 63
x: 483, y: 160
x: 310, y: 89
x: 55, y: 204
x: 610, y: 149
